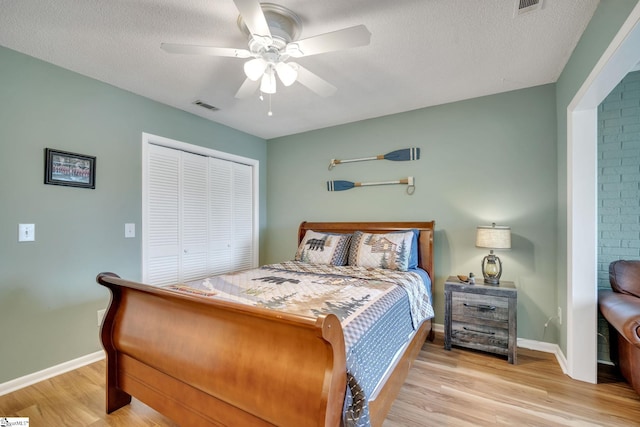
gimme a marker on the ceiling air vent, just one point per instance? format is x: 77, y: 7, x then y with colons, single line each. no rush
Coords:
x: 205, y: 105
x: 525, y: 6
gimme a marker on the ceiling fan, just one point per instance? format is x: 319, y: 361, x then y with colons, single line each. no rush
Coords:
x: 273, y: 33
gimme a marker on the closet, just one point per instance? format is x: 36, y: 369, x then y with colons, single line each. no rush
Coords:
x: 198, y: 215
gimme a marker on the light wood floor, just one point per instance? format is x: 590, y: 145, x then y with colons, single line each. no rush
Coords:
x: 444, y: 388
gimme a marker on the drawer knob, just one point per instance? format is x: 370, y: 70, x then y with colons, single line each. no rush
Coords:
x: 480, y: 306
x: 478, y: 331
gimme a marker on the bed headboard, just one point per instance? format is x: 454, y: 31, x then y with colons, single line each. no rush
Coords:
x: 425, y: 243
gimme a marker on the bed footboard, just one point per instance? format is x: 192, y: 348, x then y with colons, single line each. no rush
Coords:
x: 206, y: 362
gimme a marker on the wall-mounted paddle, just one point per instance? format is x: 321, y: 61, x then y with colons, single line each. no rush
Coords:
x: 339, y: 185
x: 402, y: 155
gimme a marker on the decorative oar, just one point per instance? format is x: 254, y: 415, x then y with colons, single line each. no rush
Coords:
x: 402, y: 155
x: 347, y: 185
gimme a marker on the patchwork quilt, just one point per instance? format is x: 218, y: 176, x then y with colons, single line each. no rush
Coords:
x: 360, y: 297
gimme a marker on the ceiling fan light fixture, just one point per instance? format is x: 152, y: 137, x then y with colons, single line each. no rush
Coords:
x: 286, y: 73
x: 273, y: 38
x: 268, y: 83
x: 254, y: 69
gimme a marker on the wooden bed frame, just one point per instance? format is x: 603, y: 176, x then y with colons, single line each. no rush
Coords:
x: 207, y: 362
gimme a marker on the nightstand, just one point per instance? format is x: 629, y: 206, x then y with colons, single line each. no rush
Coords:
x: 481, y: 316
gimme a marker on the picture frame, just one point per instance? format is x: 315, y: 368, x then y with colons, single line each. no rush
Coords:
x: 69, y: 169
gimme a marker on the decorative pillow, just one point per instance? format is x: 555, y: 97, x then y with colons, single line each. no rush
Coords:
x: 324, y: 248
x: 391, y: 251
x: 413, y: 257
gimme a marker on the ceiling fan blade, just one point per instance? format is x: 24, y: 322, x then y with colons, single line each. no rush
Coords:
x: 328, y: 42
x: 254, y: 19
x: 313, y: 82
x: 188, y: 49
x: 248, y: 88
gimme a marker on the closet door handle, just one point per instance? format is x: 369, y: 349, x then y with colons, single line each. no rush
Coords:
x: 481, y: 306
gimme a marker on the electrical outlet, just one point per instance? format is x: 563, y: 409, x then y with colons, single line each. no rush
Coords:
x: 560, y: 315
x: 129, y: 230
x: 101, y: 316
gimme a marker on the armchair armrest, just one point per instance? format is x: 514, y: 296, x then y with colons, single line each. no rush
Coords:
x: 622, y: 311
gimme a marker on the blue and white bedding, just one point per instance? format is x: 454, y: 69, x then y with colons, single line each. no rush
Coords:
x: 379, y: 309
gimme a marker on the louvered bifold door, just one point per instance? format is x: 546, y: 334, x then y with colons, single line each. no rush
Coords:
x: 220, y: 216
x: 198, y: 216
x: 242, y: 247
x: 162, y: 250
x: 194, y: 218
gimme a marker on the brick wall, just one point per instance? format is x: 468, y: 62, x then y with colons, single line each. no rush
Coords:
x: 618, y: 184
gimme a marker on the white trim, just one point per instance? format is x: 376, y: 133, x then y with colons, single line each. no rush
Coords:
x: 437, y: 327
x: 36, y: 377
x: 619, y: 59
x: 582, y: 280
x: 582, y: 300
x: 148, y: 139
x: 545, y: 347
x: 542, y: 346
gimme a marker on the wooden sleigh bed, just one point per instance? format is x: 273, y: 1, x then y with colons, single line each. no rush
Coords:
x: 209, y: 362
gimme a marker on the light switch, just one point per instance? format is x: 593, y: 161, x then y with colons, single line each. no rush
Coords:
x: 129, y: 230
x: 26, y: 232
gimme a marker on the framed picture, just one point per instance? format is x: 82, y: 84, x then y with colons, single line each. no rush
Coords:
x: 71, y: 169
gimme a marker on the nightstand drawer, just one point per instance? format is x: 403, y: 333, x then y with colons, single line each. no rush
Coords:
x: 480, y: 337
x: 482, y: 317
x: 475, y: 306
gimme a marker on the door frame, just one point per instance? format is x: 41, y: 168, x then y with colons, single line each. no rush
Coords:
x: 620, y: 57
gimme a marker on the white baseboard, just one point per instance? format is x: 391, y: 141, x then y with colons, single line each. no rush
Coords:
x: 531, y: 345
x: 545, y: 347
x: 27, y: 380
x: 30, y: 379
x: 437, y: 327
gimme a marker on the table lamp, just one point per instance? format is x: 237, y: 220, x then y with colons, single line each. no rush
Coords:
x: 492, y: 237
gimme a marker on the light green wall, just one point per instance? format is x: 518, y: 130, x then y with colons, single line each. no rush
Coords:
x: 483, y: 160
x: 48, y: 293
x: 604, y: 25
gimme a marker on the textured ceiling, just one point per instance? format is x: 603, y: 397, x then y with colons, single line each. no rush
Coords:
x: 422, y: 53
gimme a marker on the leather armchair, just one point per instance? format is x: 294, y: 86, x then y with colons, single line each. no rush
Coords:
x: 620, y: 305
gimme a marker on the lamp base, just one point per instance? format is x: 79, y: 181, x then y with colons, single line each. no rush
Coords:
x: 491, y: 281
x: 491, y: 269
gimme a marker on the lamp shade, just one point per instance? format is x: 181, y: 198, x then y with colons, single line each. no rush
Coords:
x: 493, y: 237
x: 254, y: 69
x: 287, y: 73
x: 268, y: 83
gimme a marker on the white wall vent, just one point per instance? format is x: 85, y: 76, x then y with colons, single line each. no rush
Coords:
x: 205, y: 105
x: 525, y: 6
